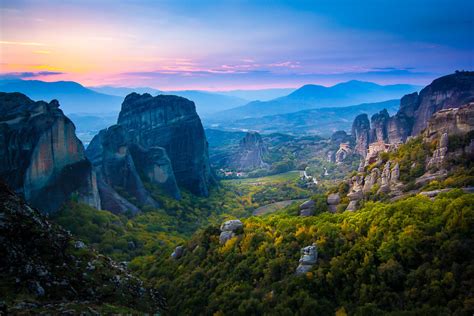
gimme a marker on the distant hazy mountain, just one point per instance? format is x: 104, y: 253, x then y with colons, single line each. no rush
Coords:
x: 314, y: 96
x: 73, y: 97
x: 321, y: 122
x: 124, y: 91
x: 206, y: 102
x: 259, y: 94
x: 209, y: 102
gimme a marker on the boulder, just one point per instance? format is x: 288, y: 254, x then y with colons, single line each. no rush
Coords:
x: 178, y: 252
x: 333, y: 199
x: 225, y: 236
x: 307, y: 205
x: 307, y: 212
x: 233, y: 225
x: 309, y: 257
x: 352, y: 206
x: 229, y: 230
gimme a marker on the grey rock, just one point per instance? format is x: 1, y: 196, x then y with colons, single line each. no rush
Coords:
x: 233, y: 225
x: 307, y: 205
x: 225, y: 236
x: 79, y: 245
x: 250, y: 153
x: 309, y: 257
x: 178, y: 252
x: 307, y: 212
x: 333, y: 199
x: 352, y: 206
x: 360, y: 131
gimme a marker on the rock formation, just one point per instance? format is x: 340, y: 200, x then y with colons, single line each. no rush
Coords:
x: 178, y: 252
x: 40, y: 259
x: 333, y: 200
x: 378, y: 131
x: 343, y: 152
x: 172, y: 123
x: 307, y: 208
x: 445, y: 93
x: 309, y: 257
x: 229, y: 230
x: 360, y: 132
x: 122, y: 167
x: 250, y: 153
x: 40, y: 156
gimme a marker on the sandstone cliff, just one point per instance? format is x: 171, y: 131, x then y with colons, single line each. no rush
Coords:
x: 172, y: 123
x: 382, y: 176
x: 451, y: 91
x: 40, y: 156
x: 360, y: 132
x: 250, y: 153
x: 122, y: 167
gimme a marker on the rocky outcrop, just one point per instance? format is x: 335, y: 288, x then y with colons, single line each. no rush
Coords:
x: 342, y: 153
x: 333, y: 201
x: 250, y: 153
x: 178, y: 252
x: 379, y: 125
x: 122, y: 167
x: 446, y: 92
x: 309, y: 257
x: 172, y: 123
x: 360, y: 132
x: 229, y: 230
x: 42, y: 262
x: 307, y: 208
x: 454, y: 121
x: 40, y: 156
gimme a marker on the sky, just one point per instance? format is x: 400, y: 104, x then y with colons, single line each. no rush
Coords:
x: 225, y: 45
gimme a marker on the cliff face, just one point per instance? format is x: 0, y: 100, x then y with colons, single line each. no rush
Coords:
x: 442, y: 161
x: 121, y: 168
x: 250, y: 153
x: 170, y: 122
x: 446, y: 92
x: 360, y: 131
x: 40, y: 156
x: 452, y: 91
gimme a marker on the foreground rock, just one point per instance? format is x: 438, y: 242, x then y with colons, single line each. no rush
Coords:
x: 229, y: 230
x: 42, y: 263
x: 172, y: 123
x: 309, y: 257
x: 40, y: 156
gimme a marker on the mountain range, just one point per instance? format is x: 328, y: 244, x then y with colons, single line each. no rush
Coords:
x: 73, y: 97
x: 316, y: 96
x: 206, y: 102
x: 323, y: 122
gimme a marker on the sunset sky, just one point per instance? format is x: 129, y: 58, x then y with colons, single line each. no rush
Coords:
x: 225, y: 45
